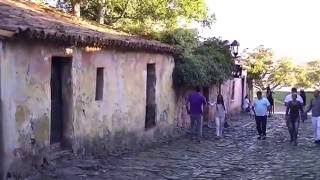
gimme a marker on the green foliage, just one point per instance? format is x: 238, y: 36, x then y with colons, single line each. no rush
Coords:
x: 185, y: 40
x: 199, y: 63
x: 207, y: 64
x: 301, y: 78
x: 265, y: 71
x: 144, y: 17
x: 313, y: 74
x: 308, y: 76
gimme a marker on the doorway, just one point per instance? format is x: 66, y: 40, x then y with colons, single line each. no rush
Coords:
x: 61, y: 100
x: 151, y: 106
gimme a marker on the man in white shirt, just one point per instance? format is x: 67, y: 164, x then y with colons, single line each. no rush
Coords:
x: 289, y: 96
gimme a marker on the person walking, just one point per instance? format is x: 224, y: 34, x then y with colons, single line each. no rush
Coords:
x: 195, y: 105
x: 246, y: 104
x: 220, y: 114
x: 315, y: 116
x: 293, y: 112
x: 270, y: 99
x: 304, y: 98
x: 260, y: 110
x: 289, y: 96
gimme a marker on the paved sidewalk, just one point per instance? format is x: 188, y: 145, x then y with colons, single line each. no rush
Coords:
x: 239, y: 155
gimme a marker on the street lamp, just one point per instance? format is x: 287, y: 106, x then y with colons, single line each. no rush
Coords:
x: 235, y: 48
x: 237, y: 71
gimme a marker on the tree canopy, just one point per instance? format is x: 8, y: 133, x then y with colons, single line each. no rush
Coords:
x: 199, y: 63
x: 141, y: 16
x: 311, y: 75
x: 263, y: 70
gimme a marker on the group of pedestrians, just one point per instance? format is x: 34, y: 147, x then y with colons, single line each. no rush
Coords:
x: 295, y: 113
x: 196, y: 102
x: 261, y: 108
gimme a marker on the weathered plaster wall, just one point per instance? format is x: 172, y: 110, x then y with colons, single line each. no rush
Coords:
x: 1, y: 129
x: 25, y: 93
x: 119, y: 119
x: 116, y: 122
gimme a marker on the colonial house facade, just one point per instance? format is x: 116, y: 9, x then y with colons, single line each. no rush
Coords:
x: 69, y: 82
x: 66, y: 81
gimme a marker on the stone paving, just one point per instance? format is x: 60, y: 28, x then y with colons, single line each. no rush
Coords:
x: 239, y: 155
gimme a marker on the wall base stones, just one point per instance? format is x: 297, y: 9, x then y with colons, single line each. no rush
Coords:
x: 124, y: 142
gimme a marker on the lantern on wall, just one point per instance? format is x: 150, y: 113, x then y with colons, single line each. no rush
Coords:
x: 235, y: 48
x: 237, y: 70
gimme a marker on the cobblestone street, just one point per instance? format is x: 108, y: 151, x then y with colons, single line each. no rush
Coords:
x: 239, y: 155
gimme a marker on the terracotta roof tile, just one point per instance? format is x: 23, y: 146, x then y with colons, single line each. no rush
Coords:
x: 30, y: 20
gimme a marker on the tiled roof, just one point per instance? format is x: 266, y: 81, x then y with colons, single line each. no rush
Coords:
x: 38, y: 22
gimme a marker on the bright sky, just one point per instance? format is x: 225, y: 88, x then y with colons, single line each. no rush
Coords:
x: 290, y: 27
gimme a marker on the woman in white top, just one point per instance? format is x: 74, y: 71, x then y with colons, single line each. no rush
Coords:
x: 220, y: 114
x: 246, y: 104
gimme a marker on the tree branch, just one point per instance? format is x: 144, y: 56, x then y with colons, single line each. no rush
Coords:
x: 115, y: 19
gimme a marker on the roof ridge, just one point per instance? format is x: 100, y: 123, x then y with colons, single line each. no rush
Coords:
x: 67, y: 17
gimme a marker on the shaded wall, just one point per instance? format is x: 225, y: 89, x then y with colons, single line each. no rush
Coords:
x: 1, y: 121
x: 117, y: 122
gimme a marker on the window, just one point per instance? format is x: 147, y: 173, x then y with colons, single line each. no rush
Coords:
x: 233, y: 90
x: 99, y: 84
x: 151, y: 106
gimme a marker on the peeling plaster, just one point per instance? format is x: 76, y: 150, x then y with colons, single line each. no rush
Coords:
x: 116, y: 123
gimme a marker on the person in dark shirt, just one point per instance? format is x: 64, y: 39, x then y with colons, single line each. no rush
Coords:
x: 293, y: 112
x: 304, y: 98
x: 270, y: 99
x: 195, y: 104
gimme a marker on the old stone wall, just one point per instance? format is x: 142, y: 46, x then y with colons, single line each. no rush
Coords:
x: 116, y: 122
x: 119, y: 119
x: 25, y: 94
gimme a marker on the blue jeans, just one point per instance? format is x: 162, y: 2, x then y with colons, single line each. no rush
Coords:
x: 261, y: 122
x: 196, y: 125
x: 293, y: 126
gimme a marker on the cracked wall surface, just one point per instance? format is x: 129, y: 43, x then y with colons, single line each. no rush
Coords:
x: 2, y: 159
x: 117, y: 122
